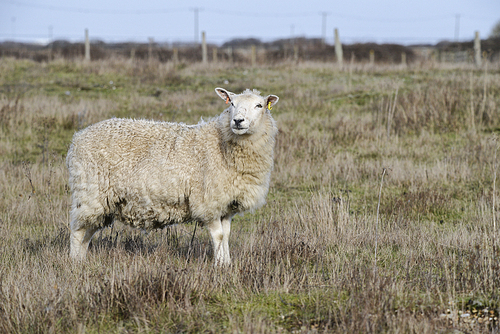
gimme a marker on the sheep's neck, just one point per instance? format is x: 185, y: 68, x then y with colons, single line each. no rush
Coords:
x: 251, y: 158
x: 249, y: 154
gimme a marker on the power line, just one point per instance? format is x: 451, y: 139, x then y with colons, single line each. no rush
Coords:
x: 392, y: 19
x: 95, y: 10
x: 261, y: 14
x: 233, y: 13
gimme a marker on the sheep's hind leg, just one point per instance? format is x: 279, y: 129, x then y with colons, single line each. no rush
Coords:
x: 79, y: 242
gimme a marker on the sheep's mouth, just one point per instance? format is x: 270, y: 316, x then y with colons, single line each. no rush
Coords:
x: 239, y: 130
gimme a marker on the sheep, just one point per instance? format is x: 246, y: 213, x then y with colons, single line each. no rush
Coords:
x: 151, y: 174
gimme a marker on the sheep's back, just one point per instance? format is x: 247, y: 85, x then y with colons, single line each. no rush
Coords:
x: 144, y: 171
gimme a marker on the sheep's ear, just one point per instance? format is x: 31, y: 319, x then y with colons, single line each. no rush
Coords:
x: 271, y: 100
x: 224, y: 94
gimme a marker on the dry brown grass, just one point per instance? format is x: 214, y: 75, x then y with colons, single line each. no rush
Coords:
x: 305, y: 262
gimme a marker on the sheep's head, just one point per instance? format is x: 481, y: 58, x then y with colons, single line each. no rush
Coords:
x: 246, y: 109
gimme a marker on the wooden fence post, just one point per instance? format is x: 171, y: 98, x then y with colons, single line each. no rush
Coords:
x: 150, y: 48
x: 175, y: 57
x: 49, y: 56
x: 338, y: 48
x: 372, y: 57
x: 351, y: 65
x: 477, y: 49
x: 214, y: 55
x: 253, y: 56
x: 204, y: 58
x: 403, y: 58
x: 230, y: 54
x: 87, y: 45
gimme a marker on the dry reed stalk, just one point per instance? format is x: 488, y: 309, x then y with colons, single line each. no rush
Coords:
x: 472, y: 113
x: 390, y: 112
x: 27, y: 173
x: 351, y: 65
x: 483, y: 103
x: 384, y: 170
x: 493, y: 195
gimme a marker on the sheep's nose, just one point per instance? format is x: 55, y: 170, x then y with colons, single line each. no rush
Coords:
x: 237, y: 122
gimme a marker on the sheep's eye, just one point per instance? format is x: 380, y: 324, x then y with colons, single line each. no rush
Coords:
x: 259, y: 105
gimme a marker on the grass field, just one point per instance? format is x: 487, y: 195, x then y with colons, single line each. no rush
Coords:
x: 382, y: 214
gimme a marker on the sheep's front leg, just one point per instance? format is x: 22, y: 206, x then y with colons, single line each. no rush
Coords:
x: 79, y: 242
x: 226, y: 229
x: 219, y: 230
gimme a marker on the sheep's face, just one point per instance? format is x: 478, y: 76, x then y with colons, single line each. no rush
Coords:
x: 247, y: 109
x: 246, y: 112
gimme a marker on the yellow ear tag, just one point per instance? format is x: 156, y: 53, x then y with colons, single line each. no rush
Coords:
x: 269, y: 106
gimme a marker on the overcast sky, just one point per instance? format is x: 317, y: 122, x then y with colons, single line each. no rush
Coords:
x: 383, y: 21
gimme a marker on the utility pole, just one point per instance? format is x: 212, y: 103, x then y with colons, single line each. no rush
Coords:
x: 87, y: 45
x: 51, y: 29
x: 13, y: 19
x: 323, y: 30
x: 457, y: 26
x: 196, y: 10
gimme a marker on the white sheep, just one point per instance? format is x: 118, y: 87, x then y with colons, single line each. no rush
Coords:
x: 151, y: 174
